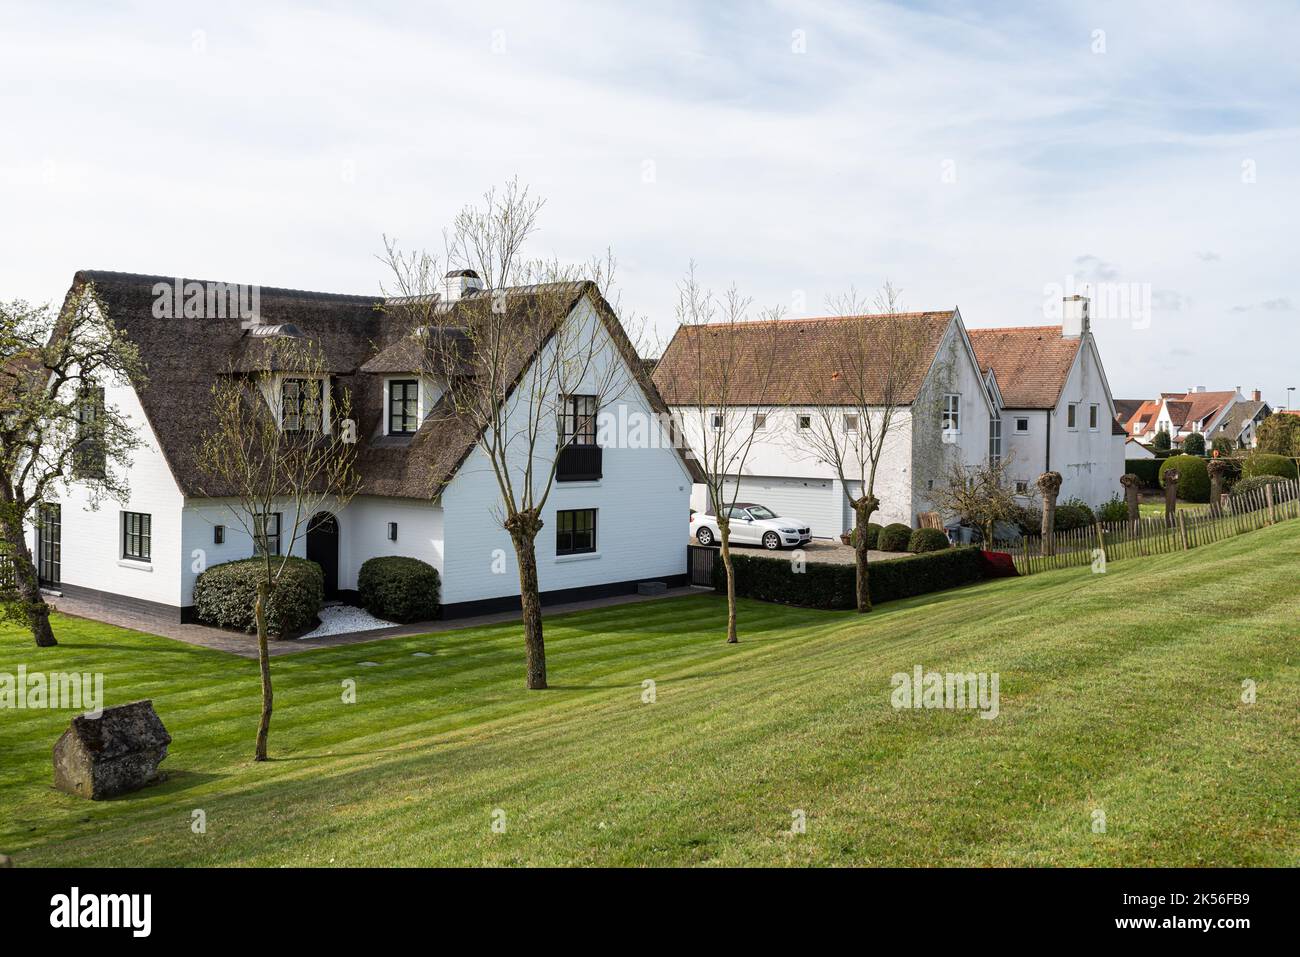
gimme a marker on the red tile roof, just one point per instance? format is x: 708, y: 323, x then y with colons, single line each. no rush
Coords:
x: 1031, y: 362
x: 805, y: 348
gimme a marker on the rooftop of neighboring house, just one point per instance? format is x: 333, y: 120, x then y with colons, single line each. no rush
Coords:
x: 1031, y: 363
x: 1239, y: 416
x: 1143, y: 418
x: 360, y: 339
x: 789, y: 361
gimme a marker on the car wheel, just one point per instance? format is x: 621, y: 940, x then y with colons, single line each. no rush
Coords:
x: 771, y: 541
x: 704, y: 536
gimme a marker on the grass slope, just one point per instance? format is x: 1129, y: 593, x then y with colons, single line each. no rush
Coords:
x: 1119, y: 692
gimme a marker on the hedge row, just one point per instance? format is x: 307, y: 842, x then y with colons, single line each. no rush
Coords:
x: 833, y: 586
x: 1147, y: 471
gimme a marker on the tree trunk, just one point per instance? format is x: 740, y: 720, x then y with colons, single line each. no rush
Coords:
x: 863, y: 509
x: 1049, y: 484
x: 724, y: 530
x: 523, y: 528
x: 28, y: 587
x: 264, y: 665
x: 1171, y: 494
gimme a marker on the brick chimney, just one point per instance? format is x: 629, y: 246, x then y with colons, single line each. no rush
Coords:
x: 1256, y: 395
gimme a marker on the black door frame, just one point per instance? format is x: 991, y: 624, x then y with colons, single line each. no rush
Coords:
x: 49, y: 544
x: 316, y: 534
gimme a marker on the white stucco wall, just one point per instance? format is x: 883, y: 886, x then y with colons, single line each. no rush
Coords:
x: 1089, y: 461
x: 642, y: 523
x: 91, y: 538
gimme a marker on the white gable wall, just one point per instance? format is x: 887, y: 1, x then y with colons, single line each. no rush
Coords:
x: 642, y: 522
x: 92, y: 538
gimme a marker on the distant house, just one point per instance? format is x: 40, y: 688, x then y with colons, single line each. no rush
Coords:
x: 1198, y: 410
x: 1242, y: 422
x: 1036, y: 393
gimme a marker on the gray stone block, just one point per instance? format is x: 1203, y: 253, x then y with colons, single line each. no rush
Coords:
x: 113, y: 754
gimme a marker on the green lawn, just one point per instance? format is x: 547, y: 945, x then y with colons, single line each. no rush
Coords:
x: 1156, y: 509
x: 1119, y: 692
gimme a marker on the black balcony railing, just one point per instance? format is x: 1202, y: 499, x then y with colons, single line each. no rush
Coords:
x: 578, y: 463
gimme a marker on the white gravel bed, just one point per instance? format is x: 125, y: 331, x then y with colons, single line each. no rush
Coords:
x: 341, y: 619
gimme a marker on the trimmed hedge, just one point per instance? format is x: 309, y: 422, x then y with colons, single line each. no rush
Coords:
x: 1114, y: 509
x: 1193, y: 477
x: 873, y: 535
x: 398, y: 588
x: 894, y: 537
x: 927, y: 540
x: 1071, y: 515
x: 833, y: 586
x: 1265, y: 463
x: 1256, y: 482
x: 1147, y: 471
x: 225, y: 596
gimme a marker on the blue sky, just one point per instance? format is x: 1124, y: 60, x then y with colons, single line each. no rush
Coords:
x: 975, y: 154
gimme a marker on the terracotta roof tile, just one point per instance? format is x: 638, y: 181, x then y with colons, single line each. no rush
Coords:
x: 805, y: 347
x: 1031, y: 362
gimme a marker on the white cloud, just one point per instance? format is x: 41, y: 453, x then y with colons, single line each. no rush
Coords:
x: 971, y: 158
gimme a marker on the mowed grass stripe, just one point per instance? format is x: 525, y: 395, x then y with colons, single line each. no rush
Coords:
x: 796, y: 716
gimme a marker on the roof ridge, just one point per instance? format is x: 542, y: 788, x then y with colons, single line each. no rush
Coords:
x: 974, y: 329
x: 283, y: 292
x: 792, y: 319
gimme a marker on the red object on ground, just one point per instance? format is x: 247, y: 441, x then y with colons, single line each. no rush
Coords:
x: 998, y: 564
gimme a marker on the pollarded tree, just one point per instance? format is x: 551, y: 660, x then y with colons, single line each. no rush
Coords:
x: 982, y: 495
x: 722, y: 372
x: 877, y: 357
x: 521, y: 369
x: 281, y: 441
x: 56, y: 427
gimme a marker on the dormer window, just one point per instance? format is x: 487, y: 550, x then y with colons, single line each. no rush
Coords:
x: 302, y: 405
x: 403, y: 406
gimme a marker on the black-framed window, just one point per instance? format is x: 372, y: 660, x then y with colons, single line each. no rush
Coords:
x: 137, y: 536
x: 578, y: 420
x: 88, y: 457
x: 995, y: 441
x: 218, y: 534
x: 266, y: 528
x: 575, y: 531
x: 302, y: 407
x: 403, y: 406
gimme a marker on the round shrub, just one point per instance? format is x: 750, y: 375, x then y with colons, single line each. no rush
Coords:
x: 398, y: 588
x: 1194, y: 444
x: 1255, y: 482
x: 1193, y: 477
x: 873, y: 535
x: 1223, y: 445
x: 1265, y: 463
x: 225, y: 595
x: 927, y: 540
x: 1070, y: 516
x: 1115, y: 509
x: 894, y: 537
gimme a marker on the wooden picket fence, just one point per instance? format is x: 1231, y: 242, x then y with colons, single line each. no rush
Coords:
x: 1191, y: 528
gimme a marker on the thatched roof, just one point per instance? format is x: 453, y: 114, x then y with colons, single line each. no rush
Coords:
x: 361, y: 342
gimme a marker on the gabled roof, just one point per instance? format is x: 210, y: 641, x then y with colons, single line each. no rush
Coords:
x: 804, y: 347
x: 1239, y: 416
x: 1031, y: 362
x: 183, y: 357
x: 1204, y: 406
x: 1124, y: 408
x: 1178, y: 412
x: 1144, y: 417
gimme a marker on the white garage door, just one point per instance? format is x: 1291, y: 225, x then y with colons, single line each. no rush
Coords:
x: 815, y: 501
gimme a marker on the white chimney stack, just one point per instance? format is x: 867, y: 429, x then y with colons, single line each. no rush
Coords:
x: 1074, y: 316
x: 458, y: 283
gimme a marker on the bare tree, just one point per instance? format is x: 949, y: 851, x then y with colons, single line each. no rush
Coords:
x: 521, y: 369
x: 980, y: 494
x: 281, y: 442
x: 56, y: 427
x: 722, y: 375
x: 876, y: 357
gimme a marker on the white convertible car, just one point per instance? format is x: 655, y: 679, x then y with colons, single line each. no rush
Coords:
x: 752, y: 524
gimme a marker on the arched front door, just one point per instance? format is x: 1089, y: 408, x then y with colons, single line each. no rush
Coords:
x: 323, y: 549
